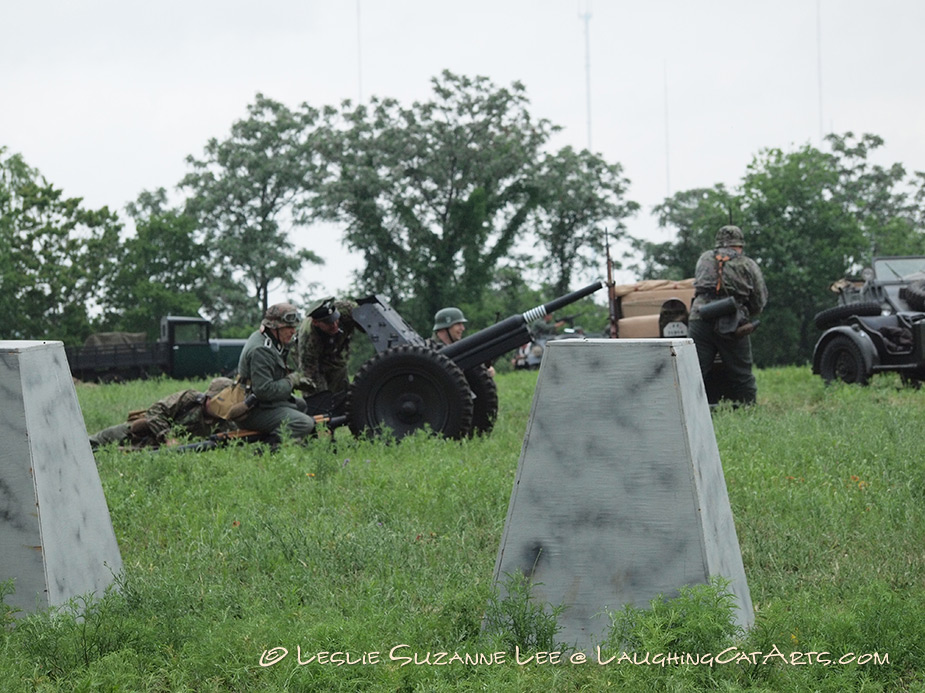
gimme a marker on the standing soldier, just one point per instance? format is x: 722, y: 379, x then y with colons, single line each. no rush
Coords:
x: 726, y: 275
x: 264, y: 370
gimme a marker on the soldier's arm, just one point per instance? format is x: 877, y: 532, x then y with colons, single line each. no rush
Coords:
x: 264, y: 384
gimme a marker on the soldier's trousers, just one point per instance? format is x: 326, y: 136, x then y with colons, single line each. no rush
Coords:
x: 736, y: 355
x: 114, y: 434
x: 270, y: 419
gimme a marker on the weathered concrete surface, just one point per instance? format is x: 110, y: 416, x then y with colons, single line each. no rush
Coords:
x: 56, y: 536
x: 619, y: 495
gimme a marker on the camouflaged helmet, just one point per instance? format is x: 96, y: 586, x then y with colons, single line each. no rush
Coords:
x: 217, y: 385
x: 729, y: 236
x: 447, y: 317
x: 281, y: 315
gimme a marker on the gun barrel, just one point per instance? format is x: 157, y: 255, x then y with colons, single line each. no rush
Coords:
x: 561, y: 302
x: 508, y: 334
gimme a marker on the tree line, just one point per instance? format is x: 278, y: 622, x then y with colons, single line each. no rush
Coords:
x: 448, y: 201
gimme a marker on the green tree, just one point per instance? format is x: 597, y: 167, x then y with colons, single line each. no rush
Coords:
x: 243, y: 194
x: 55, y: 256
x: 436, y: 194
x: 580, y: 196
x: 163, y: 269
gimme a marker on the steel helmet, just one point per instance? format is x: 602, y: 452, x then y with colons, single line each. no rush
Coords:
x: 729, y: 236
x: 281, y: 315
x: 447, y: 317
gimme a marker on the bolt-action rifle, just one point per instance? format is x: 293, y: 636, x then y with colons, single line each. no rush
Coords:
x: 611, y: 289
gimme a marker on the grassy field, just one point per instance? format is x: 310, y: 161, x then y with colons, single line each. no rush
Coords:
x: 355, y: 549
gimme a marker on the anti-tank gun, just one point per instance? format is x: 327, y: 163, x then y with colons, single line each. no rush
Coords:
x: 408, y: 386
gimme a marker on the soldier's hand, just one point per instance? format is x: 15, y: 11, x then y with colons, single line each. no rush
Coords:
x: 747, y: 329
x: 294, y: 378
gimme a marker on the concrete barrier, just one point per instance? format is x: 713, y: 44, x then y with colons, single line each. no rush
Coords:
x: 56, y: 536
x: 619, y: 495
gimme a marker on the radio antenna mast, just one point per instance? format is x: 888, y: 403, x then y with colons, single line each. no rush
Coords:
x: 586, y: 16
x: 359, y: 59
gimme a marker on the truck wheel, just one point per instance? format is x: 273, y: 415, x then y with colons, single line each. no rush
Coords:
x: 832, y: 316
x: 914, y: 294
x: 406, y: 388
x: 485, y: 405
x: 842, y: 360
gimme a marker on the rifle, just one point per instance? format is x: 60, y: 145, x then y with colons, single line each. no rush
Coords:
x: 611, y: 289
x: 246, y: 436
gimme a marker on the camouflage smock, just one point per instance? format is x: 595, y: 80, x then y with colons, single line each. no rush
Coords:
x: 742, y: 279
x: 183, y: 411
x: 323, y: 357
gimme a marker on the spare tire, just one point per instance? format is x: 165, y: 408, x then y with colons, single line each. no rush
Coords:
x: 914, y: 294
x: 833, y: 316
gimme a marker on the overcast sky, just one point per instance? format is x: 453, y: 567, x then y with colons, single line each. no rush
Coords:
x: 108, y: 97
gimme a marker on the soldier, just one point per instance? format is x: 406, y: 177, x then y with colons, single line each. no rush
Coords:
x: 186, y: 411
x: 449, y: 326
x: 324, y: 346
x: 264, y: 370
x: 722, y: 273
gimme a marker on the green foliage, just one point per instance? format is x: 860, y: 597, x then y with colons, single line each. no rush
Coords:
x: 700, y: 619
x: 243, y: 195
x: 581, y: 196
x: 54, y: 256
x: 517, y: 621
x: 436, y: 195
x: 163, y: 269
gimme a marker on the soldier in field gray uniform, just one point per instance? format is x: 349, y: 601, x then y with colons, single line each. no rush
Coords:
x: 726, y: 272
x: 264, y: 370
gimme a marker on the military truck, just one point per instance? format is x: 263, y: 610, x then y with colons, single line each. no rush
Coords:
x: 184, y: 349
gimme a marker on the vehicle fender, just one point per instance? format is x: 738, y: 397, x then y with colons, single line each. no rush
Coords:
x: 861, y: 339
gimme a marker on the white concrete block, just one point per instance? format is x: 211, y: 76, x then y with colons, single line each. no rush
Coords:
x: 619, y: 495
x: 56, y: 536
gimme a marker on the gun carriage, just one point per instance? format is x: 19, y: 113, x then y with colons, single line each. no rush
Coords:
x: 408, y: 386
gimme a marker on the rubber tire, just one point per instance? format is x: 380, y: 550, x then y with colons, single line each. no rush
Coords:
x: 915, y: 295
x: 485, y: 404
x: 842, y: 360
x: 833, y: 316
x: 406, y: 388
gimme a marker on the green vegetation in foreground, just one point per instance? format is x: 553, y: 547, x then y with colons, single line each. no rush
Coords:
x: 360, y: 547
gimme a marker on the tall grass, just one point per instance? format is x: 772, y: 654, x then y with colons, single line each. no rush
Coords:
x: 232, y: 559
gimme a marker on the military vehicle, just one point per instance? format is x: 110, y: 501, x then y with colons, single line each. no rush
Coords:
x: 647, y: 309
x: 878, y: 324
x: 183, y: 350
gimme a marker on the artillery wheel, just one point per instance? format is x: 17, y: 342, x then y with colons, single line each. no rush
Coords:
x: 406, y: 388
x: 485, y: 405
x: 842, y: 360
